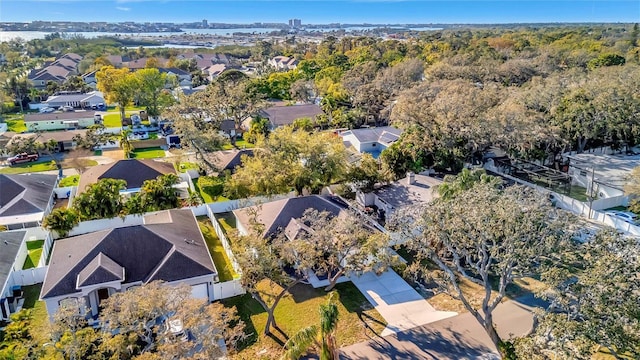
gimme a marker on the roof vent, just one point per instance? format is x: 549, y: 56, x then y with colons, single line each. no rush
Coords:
x: 192, y: 242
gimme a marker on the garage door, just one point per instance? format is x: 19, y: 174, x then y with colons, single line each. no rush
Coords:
x: 199, y: 291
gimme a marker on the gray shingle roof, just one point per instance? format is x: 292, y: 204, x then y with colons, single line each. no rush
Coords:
x: 286, y: 115
x: 134, y: 172
x: 10, y: 242
x: 100, y: 270
x: 25, y: 194
x: 73, y: 115
x: 172, y: 250
x: 276, y: 215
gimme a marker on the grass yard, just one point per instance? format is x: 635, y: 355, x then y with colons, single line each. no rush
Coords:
x: 69, y: 181
x: 207, y: 198
x: 34, y: 249
x: 39, y: 326
x: 184, y: 166
x: 112, y: 120
x: 219, y: 255
x: 579, y: 193
x: 148, y: 153
x: 29, y: 167
x: 227, y: 220
x: 16, y: 124
x: 240, y: 144
x: 299, y: 309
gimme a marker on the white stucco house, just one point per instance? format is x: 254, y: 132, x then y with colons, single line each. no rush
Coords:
x: 370, y: 140
x: 607, y: 173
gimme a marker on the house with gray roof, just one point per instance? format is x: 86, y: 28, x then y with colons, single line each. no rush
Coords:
x: 25, y: 199
x: 57, y: 71
x: 87, y: 269
x: 371, y: 140
x: 135, y: 172
x: 277, y: 216
x: 228, y: 159
x: 10, y: 246
x: 59, y: 120
x: 77, y: 100
x: 286, y: 115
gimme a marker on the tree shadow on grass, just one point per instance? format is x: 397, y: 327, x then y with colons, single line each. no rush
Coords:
x: 246, y: 307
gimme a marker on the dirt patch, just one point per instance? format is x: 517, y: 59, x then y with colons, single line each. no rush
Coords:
x: 115, y: 154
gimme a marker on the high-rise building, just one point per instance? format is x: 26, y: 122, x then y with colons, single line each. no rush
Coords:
x: 295, y: 23
x: 205, y: 23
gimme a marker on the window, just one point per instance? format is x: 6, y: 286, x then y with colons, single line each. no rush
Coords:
x: 583, y: 173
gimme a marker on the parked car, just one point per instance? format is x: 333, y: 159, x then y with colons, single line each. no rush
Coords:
x: 100, y: 107
x: 47, y: 110
x: 22, y: 158
x: 626, y: 216
x: 67, y: 108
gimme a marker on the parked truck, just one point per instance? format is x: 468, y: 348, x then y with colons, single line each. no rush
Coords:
x: 22, y: 158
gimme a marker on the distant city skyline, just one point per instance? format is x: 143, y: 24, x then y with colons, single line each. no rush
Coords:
x: 322, y: 12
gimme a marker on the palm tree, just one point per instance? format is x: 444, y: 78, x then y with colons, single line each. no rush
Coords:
x: 323, y: 338
x: 125, y: 143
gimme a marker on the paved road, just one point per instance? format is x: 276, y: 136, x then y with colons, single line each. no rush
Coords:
x: 398, y: 303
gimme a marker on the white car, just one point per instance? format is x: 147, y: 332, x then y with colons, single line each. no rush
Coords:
x: 47, y: 110
x: 626, y: 216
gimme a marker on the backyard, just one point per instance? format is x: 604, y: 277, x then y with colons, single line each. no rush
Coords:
x: 15, y: 123
x: 34, y: 249
x: 298, y: 309
x: 69, y: 181
x: 148, y: 153
x: 240, y: 144
x: 219, y: 255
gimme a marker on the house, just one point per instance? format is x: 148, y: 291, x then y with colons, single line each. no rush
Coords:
x: 282, y: 214
x: 140, y: 63
x: 57, y: 71
x: 65, y: 139
x: 286, y: 115
x: 90, y: 79
x: 607, y: 173
x: 228, y: 159
x: 414, y: 190
x: 134, y: 172
x: 25, y: 199
x: 10, y: 246
x: 84, y: 101
x: 371, y: 140
x: 59, y: 120
x: 214, y: 71
x: 86, y: 269
x: 183, y: 77
x: 13, y: 253
x: 283, y: 63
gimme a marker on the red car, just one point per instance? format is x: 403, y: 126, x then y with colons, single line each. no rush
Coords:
x: 22, y: 158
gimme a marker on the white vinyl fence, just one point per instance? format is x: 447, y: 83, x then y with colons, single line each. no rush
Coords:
x: 584, y: 209
x: 228, y: 289
x: 28, y: 277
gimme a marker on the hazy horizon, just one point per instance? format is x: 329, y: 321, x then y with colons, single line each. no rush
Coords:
x: 324, y: 12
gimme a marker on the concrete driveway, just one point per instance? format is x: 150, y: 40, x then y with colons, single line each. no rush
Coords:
x: 399, y: 304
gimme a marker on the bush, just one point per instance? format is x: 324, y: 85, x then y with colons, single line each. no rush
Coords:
x: 213, y: 186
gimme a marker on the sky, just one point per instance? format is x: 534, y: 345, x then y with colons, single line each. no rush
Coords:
x: 321, y: 11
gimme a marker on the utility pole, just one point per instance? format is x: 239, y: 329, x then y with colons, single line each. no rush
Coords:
x: 593, y: 170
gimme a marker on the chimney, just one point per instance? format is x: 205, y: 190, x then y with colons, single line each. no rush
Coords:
x: 411, y: 178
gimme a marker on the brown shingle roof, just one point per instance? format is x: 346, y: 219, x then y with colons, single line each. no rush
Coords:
x: 59, y: 116
x: 286, y: 115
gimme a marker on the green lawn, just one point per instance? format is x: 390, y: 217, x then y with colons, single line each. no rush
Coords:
x: 183, y: 167
x: 206, y: 198
x: 148, y: 153
x: 219, y: 255
x: 240, y: 144
x: 16, y: 125
x: 34, y: 249
x: 227, y: 220
x: 579, y: 193
x: 69, y: 181
x: 112, y: 120
x: 29, y: 167
x: 299, y: 309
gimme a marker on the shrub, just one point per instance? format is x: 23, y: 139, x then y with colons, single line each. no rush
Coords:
x: 213, y: 186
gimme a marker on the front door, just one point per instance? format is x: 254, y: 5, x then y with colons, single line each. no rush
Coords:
x: 103, y: 294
